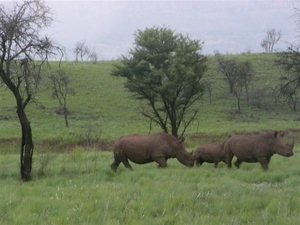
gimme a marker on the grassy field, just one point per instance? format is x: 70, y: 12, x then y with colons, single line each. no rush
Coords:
x: 79, y: 188
x: 73, y: 183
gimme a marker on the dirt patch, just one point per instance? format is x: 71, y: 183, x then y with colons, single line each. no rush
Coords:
x: 9, y: 140
x: 103, y: 145
x: 62, y: 146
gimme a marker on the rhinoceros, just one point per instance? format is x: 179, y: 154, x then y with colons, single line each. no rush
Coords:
x: 141, y: 149
x: 210, y: 153
x: 256, y: 148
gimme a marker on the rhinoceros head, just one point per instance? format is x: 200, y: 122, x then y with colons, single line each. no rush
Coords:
x: 281, y: 147
x: 183, y: 156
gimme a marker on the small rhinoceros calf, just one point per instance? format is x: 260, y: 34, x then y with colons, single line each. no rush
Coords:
x: 210, y: 153
x: 141, y: 149
x: 256, y: 148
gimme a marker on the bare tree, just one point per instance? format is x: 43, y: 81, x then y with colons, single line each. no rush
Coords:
x: 289, y: 87
x: 289, y: 61
x: 246, y: 74
x: 61, y: 88
x: 270, y: 40
x: 208, y: 87
x: 81, y: 50
x: 93, y: 56
x: 238, y: 76
x: 227, y: 67
x: 22, y: 54
x: 291, y: 92
x: 238, y: 90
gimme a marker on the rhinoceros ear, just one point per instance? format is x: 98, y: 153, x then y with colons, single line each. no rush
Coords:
x: 183, y: 139
x: 276, y: 133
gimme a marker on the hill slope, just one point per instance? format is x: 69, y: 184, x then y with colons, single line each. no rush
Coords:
x: 103, y: 109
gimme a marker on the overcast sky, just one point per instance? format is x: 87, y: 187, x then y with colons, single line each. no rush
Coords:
x: 226, y: 26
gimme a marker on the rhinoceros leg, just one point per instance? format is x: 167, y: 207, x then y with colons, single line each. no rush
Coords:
x: 238, y: 163
x: 118, y: 159
x: 126, y: 163
x: 264, y: 162
x: 115, y: 165
x: 199, y: 162
x: 162, y: 162
x: 228, y: 160
x: 216, y: 164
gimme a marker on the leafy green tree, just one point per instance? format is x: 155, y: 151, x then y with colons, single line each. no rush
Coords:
x: 23, y: 52
x: 164, y: 68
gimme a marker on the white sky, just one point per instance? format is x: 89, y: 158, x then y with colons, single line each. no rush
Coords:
x: 226, y: 26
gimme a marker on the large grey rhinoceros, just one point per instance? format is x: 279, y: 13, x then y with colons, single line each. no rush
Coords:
x: 256, y: 148
x: 141, y: 149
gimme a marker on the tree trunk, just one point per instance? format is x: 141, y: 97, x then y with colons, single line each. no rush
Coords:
x: 174, y: 127
x: 247, y: 93
x: 66, y: 117
x: 239, y: 106
x: 26, y: 145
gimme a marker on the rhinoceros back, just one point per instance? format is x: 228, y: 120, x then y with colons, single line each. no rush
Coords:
x: 143, y: 148
x: 249, y: 147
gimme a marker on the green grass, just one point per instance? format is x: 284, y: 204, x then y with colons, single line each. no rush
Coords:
x: 72, y: 181
x: 79, y: 188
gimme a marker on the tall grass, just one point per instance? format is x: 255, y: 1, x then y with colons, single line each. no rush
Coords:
x: 79, y: 188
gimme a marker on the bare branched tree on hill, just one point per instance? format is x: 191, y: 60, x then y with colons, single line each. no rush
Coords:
x: 289, y: 87
x: 93, y: 56
x: 272, y: 38
x: 244, y: 75
x: 227, y: 67
x: 81, y: 50
x: 22, y: 54
x: 238, y: 76
x: 60, y: 85
x: 289, y: 61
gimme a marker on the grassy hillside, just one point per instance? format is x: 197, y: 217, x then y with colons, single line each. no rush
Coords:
x: 101, y: 103
x: 78, y: 187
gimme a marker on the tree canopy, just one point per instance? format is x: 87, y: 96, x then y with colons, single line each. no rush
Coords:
x: 165, y: 69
